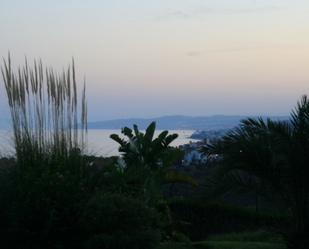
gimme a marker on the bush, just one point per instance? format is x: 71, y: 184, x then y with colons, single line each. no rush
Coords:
x: 238, y: 245
x: 254, y: 236
x: 298, y: 240
x: 175, y: 245
x: 118, y: 221
x: 180, y: 237
x: 41, y: 204
x: 198, y: 219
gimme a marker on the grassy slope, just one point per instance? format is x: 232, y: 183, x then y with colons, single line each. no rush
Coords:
x: 245, y: 240
x: 238, y: 245
x: 224, y: 245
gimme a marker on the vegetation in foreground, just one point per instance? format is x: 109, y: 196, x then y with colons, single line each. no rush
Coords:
x: 245, y: 240
x: 54, y: 196
x: 270, y: 158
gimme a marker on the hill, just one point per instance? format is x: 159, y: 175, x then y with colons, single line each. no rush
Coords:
x: 216, y: 122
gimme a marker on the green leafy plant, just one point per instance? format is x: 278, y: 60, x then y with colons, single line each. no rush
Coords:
x: 145, y: 159
x: 143, y: 149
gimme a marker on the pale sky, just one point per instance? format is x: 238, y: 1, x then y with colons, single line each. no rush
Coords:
x: 146, y: 58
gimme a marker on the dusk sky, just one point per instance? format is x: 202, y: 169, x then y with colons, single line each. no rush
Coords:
x: 144, y: 58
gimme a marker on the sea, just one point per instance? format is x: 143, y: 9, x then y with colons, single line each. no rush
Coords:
x: 99, y: 142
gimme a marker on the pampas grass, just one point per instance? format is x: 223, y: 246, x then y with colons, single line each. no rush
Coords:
x: 49, y: 119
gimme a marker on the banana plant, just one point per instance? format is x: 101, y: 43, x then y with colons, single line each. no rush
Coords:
x: 141, y: 149
x: 147, y: 160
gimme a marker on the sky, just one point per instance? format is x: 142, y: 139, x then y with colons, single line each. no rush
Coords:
x: 145, y: 58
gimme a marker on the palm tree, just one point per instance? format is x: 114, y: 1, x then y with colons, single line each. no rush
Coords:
x: 248, y: 162
x: 270, y: 156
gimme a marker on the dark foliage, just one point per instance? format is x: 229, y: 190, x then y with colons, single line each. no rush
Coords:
x: 41, y: 204
x: 198, y: 219
x: 270, y: 157
x: 116, y: 221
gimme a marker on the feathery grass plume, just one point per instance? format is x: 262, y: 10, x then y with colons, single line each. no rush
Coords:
x: 45, y: 110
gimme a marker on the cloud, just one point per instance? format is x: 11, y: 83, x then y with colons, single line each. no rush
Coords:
x: 194, y: 53
x: 173, y: 14
x: 235, y: 49
x: 203, y: 10
x: 262, y: 9
x: 179, y: 14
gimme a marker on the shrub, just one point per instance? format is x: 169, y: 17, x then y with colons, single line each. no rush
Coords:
x: 198, y: 219
x: 254, y: 236
x: 42, y: 206
x: 297, y: 240
x: 117, y: 221
x: 175, y: 245
x: 180, y: 237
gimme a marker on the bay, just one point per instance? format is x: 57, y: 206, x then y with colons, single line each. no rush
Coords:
x: 99, y: 142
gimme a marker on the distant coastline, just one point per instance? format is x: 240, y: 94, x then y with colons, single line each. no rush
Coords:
x: 99, y: 142
x: 175, y: 122
x: 178, y: 122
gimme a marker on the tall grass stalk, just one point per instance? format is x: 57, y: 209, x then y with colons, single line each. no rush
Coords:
x: 49, y: 119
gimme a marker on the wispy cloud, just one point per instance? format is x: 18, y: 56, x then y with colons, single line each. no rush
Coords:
x: 204, y: 10
x: 194, y: 53
x: 173, y: 14
x: 235, y: 49
x: 179, y: 14
x: 261, y: 9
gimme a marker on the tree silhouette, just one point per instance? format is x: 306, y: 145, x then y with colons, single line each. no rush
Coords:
x: 269, y: 156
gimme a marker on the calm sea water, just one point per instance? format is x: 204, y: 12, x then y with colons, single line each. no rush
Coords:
x: 99, y: 142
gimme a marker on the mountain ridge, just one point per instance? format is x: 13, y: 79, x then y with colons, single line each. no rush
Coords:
x: 179, y: 122
x: 172, y: 122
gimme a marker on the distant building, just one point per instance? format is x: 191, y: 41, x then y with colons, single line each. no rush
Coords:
x: 193, y: 154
